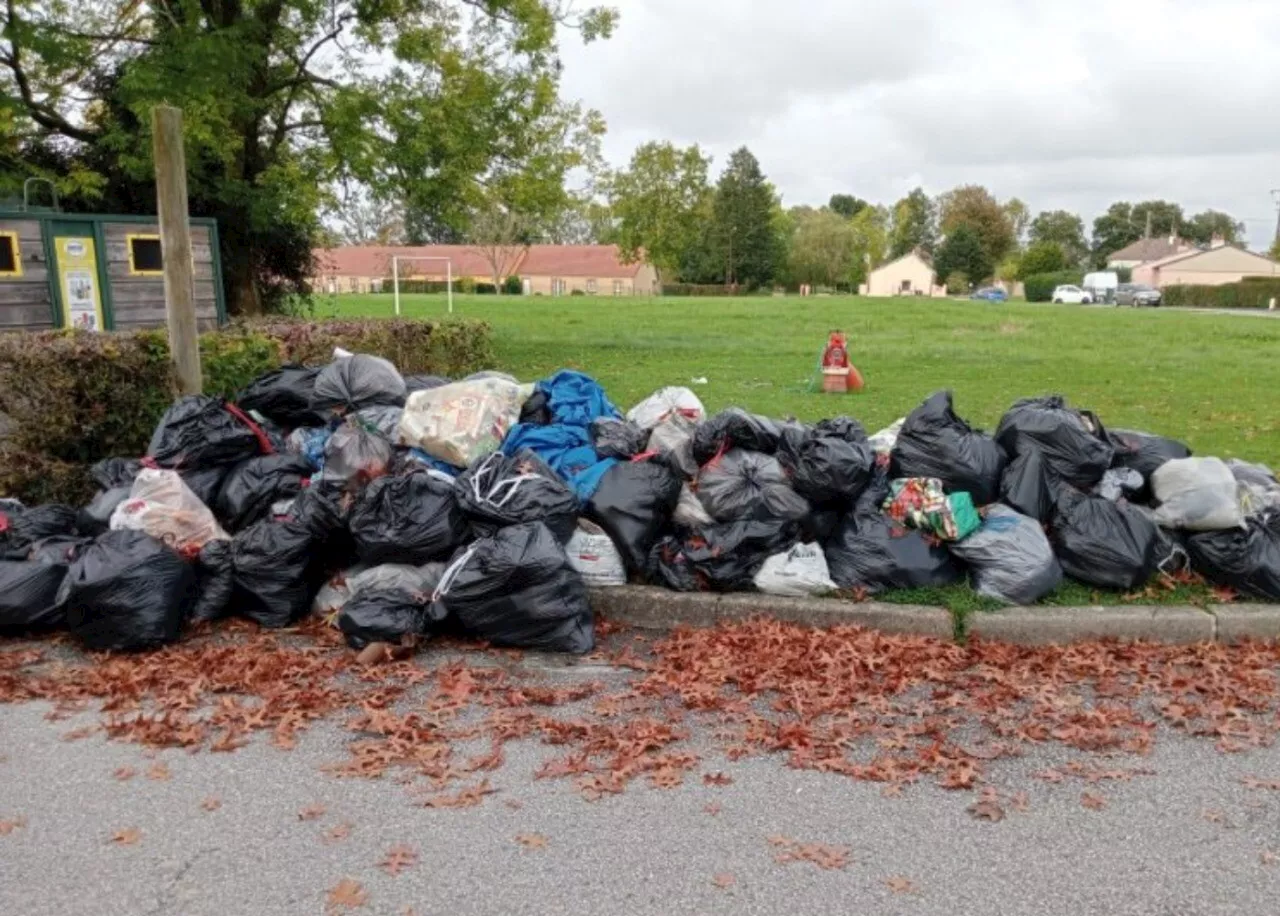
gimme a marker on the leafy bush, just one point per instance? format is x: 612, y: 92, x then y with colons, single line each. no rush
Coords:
x: 957, y: 283
x: 73, y: 398
x: 1039, y: 287
x: 513, y: 286
x: 419, y: 287
x: 700, y: 289
x: 1042, y: 258
x: 1124, y: 274
x: 1249, y: 293
x: 486, y: 289
x: 466, y: 285
x: 577, y: 292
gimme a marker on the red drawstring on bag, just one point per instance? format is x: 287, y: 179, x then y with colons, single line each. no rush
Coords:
x: 264, y: 441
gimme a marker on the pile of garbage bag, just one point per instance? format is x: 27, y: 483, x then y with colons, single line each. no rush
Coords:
x: 398, y: 509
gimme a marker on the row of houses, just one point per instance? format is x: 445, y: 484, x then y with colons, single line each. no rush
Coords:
x: 544, y: 270
x: 1155, y: 262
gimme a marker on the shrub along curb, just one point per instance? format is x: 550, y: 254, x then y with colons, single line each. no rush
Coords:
x: 659, y: 609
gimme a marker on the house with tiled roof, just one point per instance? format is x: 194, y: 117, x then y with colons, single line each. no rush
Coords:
x: 1145, y: 250
x: 544, y: 270
x: 1213, y: 266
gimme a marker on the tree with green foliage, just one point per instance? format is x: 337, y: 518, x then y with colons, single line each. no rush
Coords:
x: 914, y: 224
x: 659, y: 204
x: 1064, y: 229
x: 1041, y: 258
x: 846, y: 205
x: 1019, y: 216
x: 974, y: 207
x: 438, y: 104
x: 1124, y: 223
x: 870, y: 242
x: 744, y: 226
x: 1274, y: 252
x: 1205, y: 226
x: 821, y: 247
x: 962, y: 252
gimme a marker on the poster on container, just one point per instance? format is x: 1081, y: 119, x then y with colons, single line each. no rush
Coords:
x: 78, y: 273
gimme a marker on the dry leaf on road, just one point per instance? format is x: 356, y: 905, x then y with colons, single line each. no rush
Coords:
x: 211, y: 804
x: 159, y: 772
x: 311, y: 812
x: 716, y: 779
x: 1269, y: 858
x: 723, y: 880
x: 987, y: 809
x: 7, y: 827
x: 338, y: 832
x: 900, y: 885
x: 1020, y: 801
x: 532, y: 840
x: 1253, y: 782
x: 348, y: 894
x: 712, y: 808
x: 127, y: 837
x: 398, y: 858
x: 820, y: 854
x: 125, y: 773
x: 1093, y: 801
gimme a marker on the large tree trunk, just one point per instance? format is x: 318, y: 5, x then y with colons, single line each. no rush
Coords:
x: 243, y: 297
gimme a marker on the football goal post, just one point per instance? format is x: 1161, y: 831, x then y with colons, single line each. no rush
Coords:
x: 395, y: 275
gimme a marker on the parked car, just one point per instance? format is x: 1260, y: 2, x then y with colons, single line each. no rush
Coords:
x: 1072, y: 294
x: 990, y: 294
x: 1137, y: 294
x: 1101, y: 285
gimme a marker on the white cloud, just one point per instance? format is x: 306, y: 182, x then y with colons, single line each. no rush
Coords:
x: 1063, y: 104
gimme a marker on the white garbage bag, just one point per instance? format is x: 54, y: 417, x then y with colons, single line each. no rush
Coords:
x: 163, y: 506
x: 673, y: 438
x: 1196, y: 494
x: 593, y: 554
x: 884, y: 441
x: 1256, y: 487
x: 690, y: 512
x: 798, y: 573
x: 664, y: 404
x: 463, y: 421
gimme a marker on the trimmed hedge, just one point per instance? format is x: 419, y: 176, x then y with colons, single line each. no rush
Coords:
x: 1039, y: 287
x: 1249, y: 293
x: 700, y: 289
x: 463, y: 285
x: 73, y: 398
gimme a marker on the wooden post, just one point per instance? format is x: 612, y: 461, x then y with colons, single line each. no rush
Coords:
x: 175, y: 248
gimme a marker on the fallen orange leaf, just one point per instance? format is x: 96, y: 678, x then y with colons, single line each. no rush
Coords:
x: 311, y: 812
x: 159, y: 772
x: 7, y: 827
x: 1093, y: 801
x: 127, y: 837
x: 211, y: 804
x: 723, y: 880
x: 398, y: 858
x: 338, y: 832
x: 900, y: 885
x: 716, y: 779
x: 348, y: 894
x: 532, y: 840
x: 125, y: 773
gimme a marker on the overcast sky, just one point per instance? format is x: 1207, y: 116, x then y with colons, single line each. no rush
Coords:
x: 1064, y: 103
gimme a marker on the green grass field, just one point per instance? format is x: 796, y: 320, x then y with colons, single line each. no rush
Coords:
x: 1211, y: 380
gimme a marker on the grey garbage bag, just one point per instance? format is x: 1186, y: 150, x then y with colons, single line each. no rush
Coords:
x: 1120, y: 483
x: 1256, y: 487
x: 385, y: 421
x: 935, y: 442
x: 741, y: 485
x: 673, y: 440
x: 1073, y: 442
x: 1196, y: 494
x: 353, y: 456
x: 735, y: 428
x: 517, y: 588
x: 872, y: 551
x: 1246, y: 559
x: 128, y: 591
x: 1010, y: 558
x: 1028, y: 486
x: 1105, y: 544
x: 352, y: 383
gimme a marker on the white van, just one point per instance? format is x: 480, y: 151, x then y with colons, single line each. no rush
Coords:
x: 1102, y: 285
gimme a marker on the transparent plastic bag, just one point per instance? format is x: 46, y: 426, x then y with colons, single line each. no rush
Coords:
x: 165, y: 508
x: 461, y: 422
x: 1196, y: 494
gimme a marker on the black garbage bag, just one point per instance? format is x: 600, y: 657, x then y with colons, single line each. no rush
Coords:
x: 199, y: 432
x: 822, y: 522
x: 283, y: 396
x: 324, y: 511
x: 206, y: 483
x: 414, y: 383
x: 1028, y: 486
x: 517, y: 588
x: 872, y: 551
x: 215, y: 581
x: 634, y: 503
x: 1073, y: 442
x: 354, y: 455
x: 1009, y: 557
x: 411, y: 519
x: 846, y: 428
x: 741, y: 485
x: 253, y: 486
x: 277, y: 572
x: 735, y: 428
x: 826, y: 467
x: 29, y: 596
x: 1245, y: 559
x: 621, y: 439
x: 20, y: 530
x: 61, y: 550
x: 934, y: 442
x: 352, y: 383
x: 719, y: 558
x: 1144, y: 453
x: 1105, y: 544
x: 128, y: 591
x: 536, y: 410
x: 385, y: 615
x: 500, y: 490
x: 113, y: 473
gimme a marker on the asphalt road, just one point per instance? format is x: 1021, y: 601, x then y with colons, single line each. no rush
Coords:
x: 1187, y: 838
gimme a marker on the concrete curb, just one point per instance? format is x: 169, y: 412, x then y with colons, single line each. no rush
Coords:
x: 659, y: 609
